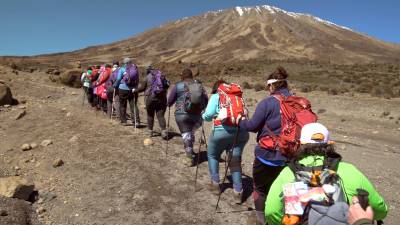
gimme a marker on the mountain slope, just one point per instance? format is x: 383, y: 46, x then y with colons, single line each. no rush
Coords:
x: 243, y: 33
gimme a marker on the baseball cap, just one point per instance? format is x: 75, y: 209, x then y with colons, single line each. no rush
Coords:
x: 314, y: 133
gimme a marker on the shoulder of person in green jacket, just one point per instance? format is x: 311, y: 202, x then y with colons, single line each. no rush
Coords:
x: 352, y: 179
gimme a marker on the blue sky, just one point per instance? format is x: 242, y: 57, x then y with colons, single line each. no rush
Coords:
x: 30, y: 27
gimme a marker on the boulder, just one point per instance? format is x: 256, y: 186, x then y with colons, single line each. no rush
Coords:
x: 58, y: 163
x: 26, y: 147
x: 17, y: 212
x: 6, y: 97
x: 16, y: 187
x: 20, y: 114
x: 148, y: 142
x: 46, y: 143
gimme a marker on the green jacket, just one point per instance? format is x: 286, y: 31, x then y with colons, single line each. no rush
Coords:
x: 352, y: 179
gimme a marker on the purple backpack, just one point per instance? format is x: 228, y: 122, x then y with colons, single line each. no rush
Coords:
x: 157, y: 83
x: 111, y: 80
x: 131, y: 75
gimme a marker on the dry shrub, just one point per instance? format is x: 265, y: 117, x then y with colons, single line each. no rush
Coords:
x: 332, y: 91
x: 246, y: 85
x: 258, y: 87
x: 306, y: 88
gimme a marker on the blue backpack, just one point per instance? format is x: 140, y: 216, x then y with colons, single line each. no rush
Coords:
x: 131, y: 75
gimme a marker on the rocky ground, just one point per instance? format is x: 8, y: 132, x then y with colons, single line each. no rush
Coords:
x: 95, y: 171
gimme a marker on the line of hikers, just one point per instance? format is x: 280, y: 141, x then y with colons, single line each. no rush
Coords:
x: 298, y: 177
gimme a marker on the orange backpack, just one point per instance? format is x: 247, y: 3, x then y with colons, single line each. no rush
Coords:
x: 231, y: 104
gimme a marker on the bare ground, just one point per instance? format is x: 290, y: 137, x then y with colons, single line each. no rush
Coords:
x: 109, y: 177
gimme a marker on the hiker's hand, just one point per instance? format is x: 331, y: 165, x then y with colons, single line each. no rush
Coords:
x: 245, y: 112
x: 134, y: 90
x: 357, y: 213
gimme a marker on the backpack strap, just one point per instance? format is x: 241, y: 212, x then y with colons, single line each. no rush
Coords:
x: 331, y: 162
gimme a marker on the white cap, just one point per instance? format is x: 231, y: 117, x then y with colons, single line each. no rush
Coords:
x: 314, y: 133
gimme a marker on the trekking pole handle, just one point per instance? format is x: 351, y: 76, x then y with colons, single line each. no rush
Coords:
x: 362, y: 196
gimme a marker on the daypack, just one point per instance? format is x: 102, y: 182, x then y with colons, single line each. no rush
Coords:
x: 113, y: 77
x: 131, y: 75
x: 194, y: 100
x: 231, y: 104
x: 323, y: 201
x: 295, y: 113
x: 159, y: 84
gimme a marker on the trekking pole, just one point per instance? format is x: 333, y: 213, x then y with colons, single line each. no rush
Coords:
x: 112, y: 105
x: 169, y: 115
x: 134, y: 111
x: 227, y: 165
x: 198, y: 153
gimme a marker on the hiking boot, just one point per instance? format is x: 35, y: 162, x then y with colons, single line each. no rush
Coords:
x: 214, y: 188
x: 150, y: 133
x: 164, y: 134
x: 237, y: 196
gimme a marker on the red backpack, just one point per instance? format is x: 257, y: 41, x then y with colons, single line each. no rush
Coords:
x: 295, y: 113
x: 231, y: 104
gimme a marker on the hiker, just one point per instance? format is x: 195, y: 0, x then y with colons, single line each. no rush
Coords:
x: 94, y: 77
x: 100, y: 85
x: 226, y: 99
x: 87, y: 84
x: 127, y: 82
x: 268, y: 162
x: 155, y: 90
x: 324, y: 183
x: 112, y: 93
x: 190, y: 99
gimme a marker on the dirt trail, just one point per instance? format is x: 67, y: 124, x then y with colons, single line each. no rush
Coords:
x: 109, y: 177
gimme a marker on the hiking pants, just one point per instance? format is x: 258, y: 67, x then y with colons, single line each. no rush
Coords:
x: 263, y: 177
x: 221, y: 140
x: 158, y: 109
x: 188, y: 124
x: 110, y: 93
x: 127, y: 96
x: 89, y: 94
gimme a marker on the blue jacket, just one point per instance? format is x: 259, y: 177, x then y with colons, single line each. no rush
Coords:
x: 267, y: 113
x: 118, y: 83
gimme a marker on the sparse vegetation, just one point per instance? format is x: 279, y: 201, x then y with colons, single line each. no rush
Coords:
x: 246, y: 85
x: 258, y: 87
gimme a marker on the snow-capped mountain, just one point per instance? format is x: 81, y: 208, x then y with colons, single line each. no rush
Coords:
x: 245, y: 33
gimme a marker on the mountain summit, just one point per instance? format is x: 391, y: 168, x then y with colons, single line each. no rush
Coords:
x: 243, y: 33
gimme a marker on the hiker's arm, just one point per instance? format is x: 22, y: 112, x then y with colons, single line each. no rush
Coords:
x: 257, y: 121
x: 275, y: 210
x: 352, y: 179
x: 375, y: 199
x: 142, y: 86
x: 172, y: 96
x: 211, y: 110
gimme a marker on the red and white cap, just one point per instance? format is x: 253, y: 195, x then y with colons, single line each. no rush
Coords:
x: 314, y: 133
